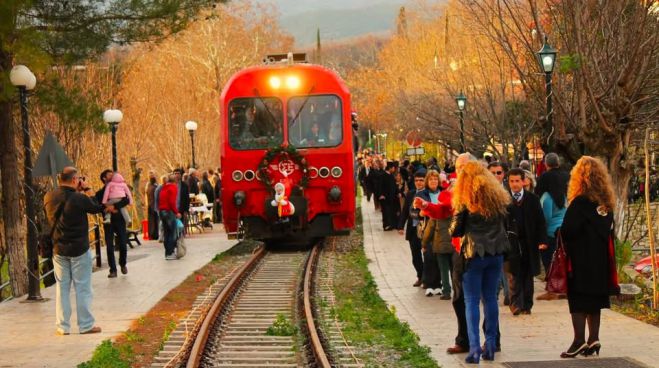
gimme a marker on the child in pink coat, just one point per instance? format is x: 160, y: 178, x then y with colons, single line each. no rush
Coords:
x: 115, y: 190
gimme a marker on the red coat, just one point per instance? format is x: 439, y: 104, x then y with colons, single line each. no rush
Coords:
x: 167, y: 198
x: 443, y: 210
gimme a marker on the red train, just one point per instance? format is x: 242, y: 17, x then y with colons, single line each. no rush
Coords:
x: 287, y: 152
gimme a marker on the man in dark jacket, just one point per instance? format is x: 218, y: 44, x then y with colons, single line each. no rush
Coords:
x: 524, y: 260
x: 363, y: 170
x: 115, y: 231
x: 410, y: 217
x: 66, y: 211
x: 152, y: 213
x: 207, y: 188
x: 373, y: 181
x: 193, y: 181
x: 183, y: 198
x: 217, y: 191
x: 388, y: 197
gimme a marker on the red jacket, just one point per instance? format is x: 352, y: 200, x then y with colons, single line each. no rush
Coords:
x: 167, y: 198
x: 443, y: 210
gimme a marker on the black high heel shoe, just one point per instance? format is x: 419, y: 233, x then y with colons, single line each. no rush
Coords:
x: 593, y: 348
x: 574, y: 350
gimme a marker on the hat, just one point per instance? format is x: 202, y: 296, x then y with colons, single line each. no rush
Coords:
x: 421, y: 173
x: 452, y: 176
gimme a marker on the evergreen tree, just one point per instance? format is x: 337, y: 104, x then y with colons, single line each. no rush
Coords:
x: 42, y: 33
x: 319, y: 58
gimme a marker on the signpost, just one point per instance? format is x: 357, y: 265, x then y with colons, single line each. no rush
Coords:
x: 415, y: 151
x: 51, y: 160
x: 414, y: 138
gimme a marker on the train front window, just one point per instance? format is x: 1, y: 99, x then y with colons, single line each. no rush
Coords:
x: 255, y: 123
x: 315, y: 121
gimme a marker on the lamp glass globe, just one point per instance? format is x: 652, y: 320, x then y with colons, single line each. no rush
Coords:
x: 191, y: 125
x: 32, y: 82
x: 20, y: 75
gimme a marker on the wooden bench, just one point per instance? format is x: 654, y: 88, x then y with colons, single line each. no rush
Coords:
x: 133, y: 237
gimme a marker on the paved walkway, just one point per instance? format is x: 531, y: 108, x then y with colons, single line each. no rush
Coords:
x: 27, y: 331
x: 540, y: 336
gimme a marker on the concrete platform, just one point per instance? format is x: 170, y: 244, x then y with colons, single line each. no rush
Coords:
x: 541, y: 336
x: 27, y: 331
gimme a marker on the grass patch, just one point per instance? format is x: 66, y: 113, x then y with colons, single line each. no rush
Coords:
x: 282, y: 326
x: 640, y: 306
x: 107, y: 355
x: 367, y: 320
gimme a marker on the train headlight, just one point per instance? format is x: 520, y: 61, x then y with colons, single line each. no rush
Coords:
x: 292, y: 82
x: 337, y: 172
x: 237, y: 175
x: 334, y: 194
x: 239, y: 198
x: 324, y: 172
x: 275, y: 82
x: 313, y: 172
x: 249, y: 175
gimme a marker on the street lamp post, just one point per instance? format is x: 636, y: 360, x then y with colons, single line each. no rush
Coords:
x: 113, y: 118
x: 24, y: 80
x: 547, y: 58
x: 191, y: 126
x: 461, y: 100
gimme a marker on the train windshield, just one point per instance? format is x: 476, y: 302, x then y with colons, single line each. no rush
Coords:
x: 255, y: 123
x: 315, y: 121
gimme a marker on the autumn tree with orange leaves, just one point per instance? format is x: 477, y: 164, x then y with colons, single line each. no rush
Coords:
x: 606, y: 88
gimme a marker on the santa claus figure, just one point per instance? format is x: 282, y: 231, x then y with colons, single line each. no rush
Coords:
x: 284, y: 207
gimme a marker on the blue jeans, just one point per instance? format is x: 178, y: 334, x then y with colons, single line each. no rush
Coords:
x: 481, y: 279
x: 169, y: 227
x: 76, y: 271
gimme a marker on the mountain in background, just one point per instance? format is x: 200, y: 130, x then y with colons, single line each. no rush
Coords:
x: 337, y: 19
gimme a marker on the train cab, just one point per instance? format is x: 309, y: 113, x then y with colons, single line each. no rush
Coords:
x: 287, y: 152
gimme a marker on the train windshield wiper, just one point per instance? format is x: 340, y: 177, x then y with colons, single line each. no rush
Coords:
x: 258, y: 95
x: 303, y: 104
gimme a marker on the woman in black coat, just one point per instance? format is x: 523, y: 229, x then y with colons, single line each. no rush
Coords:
x: 587, y: 236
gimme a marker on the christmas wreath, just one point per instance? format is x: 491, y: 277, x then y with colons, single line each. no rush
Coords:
x: 283, y: 153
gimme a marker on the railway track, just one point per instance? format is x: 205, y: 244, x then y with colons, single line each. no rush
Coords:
x: 263, y: 292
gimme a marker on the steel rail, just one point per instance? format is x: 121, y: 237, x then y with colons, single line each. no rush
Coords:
x: 201, y: 340
x: 316, y: 344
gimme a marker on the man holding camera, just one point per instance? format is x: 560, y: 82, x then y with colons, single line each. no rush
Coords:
x: 66, y: 209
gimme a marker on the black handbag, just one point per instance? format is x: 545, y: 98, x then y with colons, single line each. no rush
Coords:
x: 45, y: 245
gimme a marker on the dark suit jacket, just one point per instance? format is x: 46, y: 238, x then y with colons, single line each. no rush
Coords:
x: 373, y: 181
x: 406, y: 218
x: 387, y: 188
x: 535, y: 228
x: 361, y: 176
x: 184, y: 197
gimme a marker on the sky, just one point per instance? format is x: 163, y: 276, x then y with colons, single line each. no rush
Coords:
x: 337, y: 19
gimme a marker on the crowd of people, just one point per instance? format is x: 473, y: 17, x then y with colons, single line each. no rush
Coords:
x: 477, y: 227
x: 67, y: 209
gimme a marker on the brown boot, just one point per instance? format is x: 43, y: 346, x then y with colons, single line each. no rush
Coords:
x: 547, y: 296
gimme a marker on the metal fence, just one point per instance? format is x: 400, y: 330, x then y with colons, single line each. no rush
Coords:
x: 45, y: 264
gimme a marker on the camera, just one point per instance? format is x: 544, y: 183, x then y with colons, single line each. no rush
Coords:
x: 81, y: 180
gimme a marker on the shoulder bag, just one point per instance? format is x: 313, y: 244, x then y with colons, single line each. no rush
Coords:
x: 559, y: 269
x: 45, y: 246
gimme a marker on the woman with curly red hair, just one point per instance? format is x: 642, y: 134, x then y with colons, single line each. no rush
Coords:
x: 587, y: 237
x: 480, y: 204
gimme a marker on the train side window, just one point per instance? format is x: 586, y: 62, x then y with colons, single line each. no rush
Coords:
x: 255, y: 123
x: 315, y: 121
